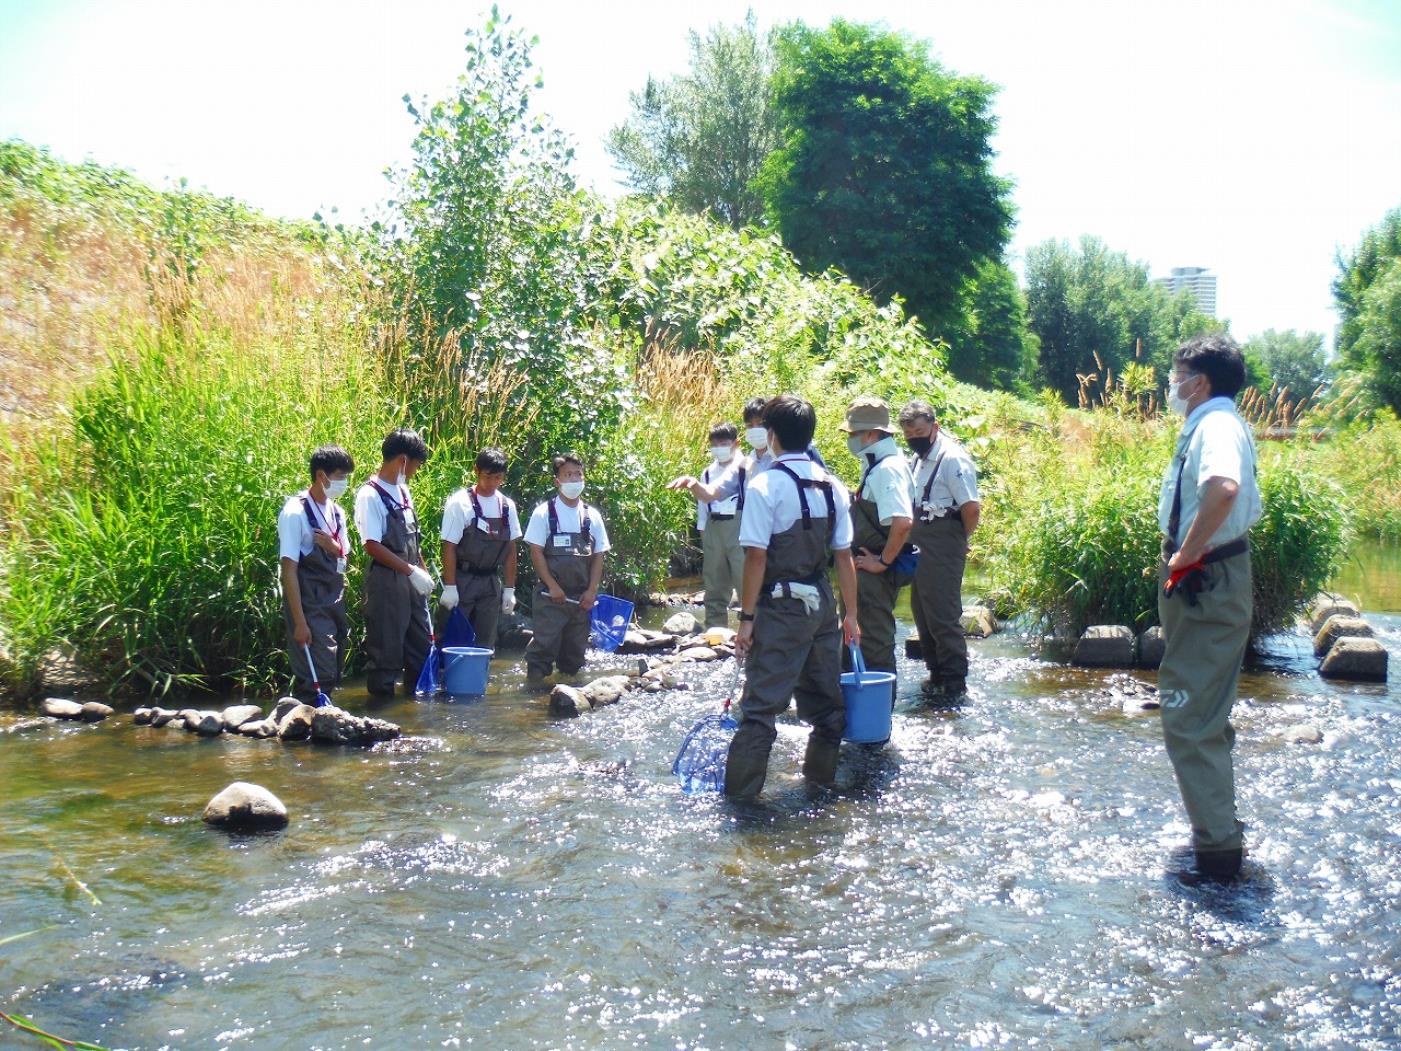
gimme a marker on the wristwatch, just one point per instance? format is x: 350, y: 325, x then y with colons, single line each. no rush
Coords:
x: 744, y: 617
x: 882, y: 561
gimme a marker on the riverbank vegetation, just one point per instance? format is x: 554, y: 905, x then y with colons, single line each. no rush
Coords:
x: 184, y: 353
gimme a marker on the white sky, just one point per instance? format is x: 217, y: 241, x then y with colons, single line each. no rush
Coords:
x: 1254, y: 138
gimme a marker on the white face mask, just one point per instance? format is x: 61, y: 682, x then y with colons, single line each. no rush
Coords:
x: 757, y: 437
x: 722, y: 453
x: 571, y: 490
x: 1176, y: 402
x: 336, y: 488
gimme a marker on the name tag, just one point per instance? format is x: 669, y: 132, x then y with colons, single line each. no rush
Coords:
x: 340, y: 566
x: 483, y: 525
x: 563, y: 540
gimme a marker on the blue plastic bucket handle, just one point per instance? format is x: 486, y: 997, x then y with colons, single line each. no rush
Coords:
x: 466, y: 670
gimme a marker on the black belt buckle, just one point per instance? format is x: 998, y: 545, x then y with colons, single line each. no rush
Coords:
x: 721, y: 518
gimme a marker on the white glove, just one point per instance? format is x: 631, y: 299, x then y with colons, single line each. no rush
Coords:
x: 508, y: 601
x: 448, y: 599
x: 421, y: 581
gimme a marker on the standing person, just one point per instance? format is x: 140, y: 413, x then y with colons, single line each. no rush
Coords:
x: 480, y: 528
x: 1208, y: 503
x: 313, y: 544
x: 797, y: 518
x: 567, y: 541
x: 397, y: 584
x: 882, y: 518
x: 734, y: 483
x: 718, y: 522
x: 947, y: 512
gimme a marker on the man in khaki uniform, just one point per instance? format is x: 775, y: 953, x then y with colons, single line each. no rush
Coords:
x: 1208, y: 503
x: 947, y: 511
x: 882, y: 516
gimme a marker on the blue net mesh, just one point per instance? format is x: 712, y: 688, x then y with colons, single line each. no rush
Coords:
x: 608, y: 622
x: 700, y: 764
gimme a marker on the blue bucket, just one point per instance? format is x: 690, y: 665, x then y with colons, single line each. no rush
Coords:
x: 465, y: 670
x: 608, y: 622
x: 870, y: 697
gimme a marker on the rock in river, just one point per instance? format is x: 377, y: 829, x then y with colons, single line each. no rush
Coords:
x: 58, y: 708
x: 334, y: 725
x: 243, y: 806
x: 96, y: 711
x: 295, y: 725
x: 683, y: 623
x: 235, y: 715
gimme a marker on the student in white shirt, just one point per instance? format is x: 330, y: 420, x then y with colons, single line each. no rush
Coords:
x: 397, y: 584
x: 479, y: 534
x: 567, y: 541
x: 718, y: 522
x: 313, y: 544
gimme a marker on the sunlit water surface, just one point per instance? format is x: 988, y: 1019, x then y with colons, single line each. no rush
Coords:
x: 998, y: 876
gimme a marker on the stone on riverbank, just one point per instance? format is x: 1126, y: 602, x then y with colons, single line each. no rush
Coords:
x: 644, y: 641
x: 1105, y: 646
x: 334, y: 725
x: 1151, y: 647
x: 243, y: 806
x: 1303, y: 733
x: 259, y: 728
x: 235, y: 715
x: 58, y: 708
x: 142, y: 716
x: 204, y: 723
x: 978, y: 622
x: 1357, y: 659
x: 1340, y: 626
x: 295, y: 725
x: 566, y: 700
x: 1326, y: 605
x: 700, y: 654
x: 162, y: 716
x: 606, y: 690
x: 682, y: 623
x: 96, y: 711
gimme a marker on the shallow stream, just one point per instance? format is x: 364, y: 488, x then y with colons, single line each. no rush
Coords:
x: 997, y: 877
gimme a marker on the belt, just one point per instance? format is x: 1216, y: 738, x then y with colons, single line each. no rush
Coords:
x: 720, y: 518
x: 1239, y: 546
x: 1191, y: 580
x: 929, y: 516
x: 472, y: 571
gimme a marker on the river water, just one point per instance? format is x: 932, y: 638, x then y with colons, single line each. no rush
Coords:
x: 997, y: 877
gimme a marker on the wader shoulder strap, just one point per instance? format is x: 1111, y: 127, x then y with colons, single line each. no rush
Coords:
x: 391, y: 505
x: 871, y: 464
x: 933, y: 474
x: 805, y: 484
x: 743, y: 472
x: 583, y: 519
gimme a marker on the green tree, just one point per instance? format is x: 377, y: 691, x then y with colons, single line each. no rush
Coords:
x: 699, y: 139
x: 1091, y: 306
x: 989, y: 342
x: 885, y: 171
x: 1366, y: 298
x: 1290, y: 359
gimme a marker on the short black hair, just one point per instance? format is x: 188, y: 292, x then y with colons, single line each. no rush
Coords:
x: 491, y: 460
x: 330, y: 458
x: 754, y: 410
x: 1218, y: 358
x: 724, y: 432
x: 792, y: 420
x: 557, y: 464
x: 404, y: 442
x: 915, y: 410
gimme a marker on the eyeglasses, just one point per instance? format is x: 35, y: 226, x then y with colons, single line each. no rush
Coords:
x: 1182, y: 377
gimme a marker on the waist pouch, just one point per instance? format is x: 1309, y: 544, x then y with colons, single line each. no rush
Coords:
x: 904, y: 566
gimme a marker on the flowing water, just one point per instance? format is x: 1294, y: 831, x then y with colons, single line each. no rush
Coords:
x: 997, y: 877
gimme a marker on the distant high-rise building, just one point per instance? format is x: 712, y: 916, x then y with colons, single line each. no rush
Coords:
x: 1195, y: 279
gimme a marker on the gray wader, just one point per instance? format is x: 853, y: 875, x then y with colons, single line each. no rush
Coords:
x: 480, y: 554
x: 796, y: 655
x: 723, y: 568
x: 936, y: 598
x: 876, y: 593
x: 396, y: 616
x: 562, y: 628
x: 322, y: 585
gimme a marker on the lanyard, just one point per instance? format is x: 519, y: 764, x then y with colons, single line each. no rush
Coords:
x: 334, y: 531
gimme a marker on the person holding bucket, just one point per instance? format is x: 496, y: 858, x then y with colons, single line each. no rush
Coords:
x: 882, y: 515
x: 797, y: 518
x: 397, y: 584
x: 313, y: 544
x: 567, y: 541
x: 480, y: 528
x: 947, y: 512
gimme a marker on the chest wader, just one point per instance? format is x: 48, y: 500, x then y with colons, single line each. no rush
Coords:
x: 723, y: 568
x: 876, y: 593
x: 1206, y: 626
x: 796, y: 654
x: 322, y: 585
x: 396, y: 617
x: 562, y: 628
x: 480, y: 554
x: 936, y: 596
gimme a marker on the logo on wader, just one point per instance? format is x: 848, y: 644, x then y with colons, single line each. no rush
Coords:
x: 1174, y: 698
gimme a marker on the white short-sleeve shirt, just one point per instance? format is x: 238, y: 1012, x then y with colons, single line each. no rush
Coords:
x: 537, y: 532
x: 370, y: 514
x: 888, y: 484
x: 713, y: 472
x: 754, y: 465
x: 772, y: 504
x: 294, y: 538
x: 459, y: 515
x: 1217, y: 444
x: 956, y: 482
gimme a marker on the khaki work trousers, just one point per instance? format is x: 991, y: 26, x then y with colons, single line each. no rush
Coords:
x: 936, y: 598
x: 723, y: 569
x: 1205, y: 644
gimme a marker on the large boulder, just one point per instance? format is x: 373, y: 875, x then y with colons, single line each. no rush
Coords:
x: 1151, y: 647
x: 978, y: 622
x: 566, y: 700
x: 295, y: 725
x: 1326, y: 605
x: 59, y: 708
x: 246, y: 807
x: 1340, y: 626
x: 681, y: 623
x: 1358, y: 659
x: 235, y: 715
x: 334, y: 725
x: 1105, y: 646
x: 96, y: 711
x: 282, y: 707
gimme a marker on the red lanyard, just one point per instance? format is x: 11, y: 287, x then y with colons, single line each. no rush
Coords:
x: 334, y: 531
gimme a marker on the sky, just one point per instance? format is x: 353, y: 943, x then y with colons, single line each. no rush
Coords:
x: 1253, y: 138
